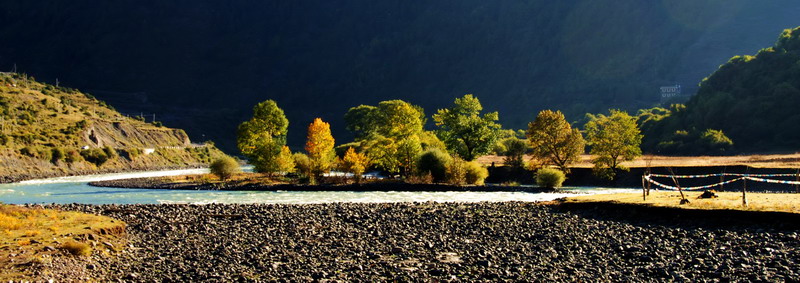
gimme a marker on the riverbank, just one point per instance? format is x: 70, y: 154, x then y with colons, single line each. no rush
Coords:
x: 168, y: 183
x: 437, y: 241
x: 15, y: 178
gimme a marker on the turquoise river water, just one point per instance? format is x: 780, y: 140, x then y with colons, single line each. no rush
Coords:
x: 75, y: 190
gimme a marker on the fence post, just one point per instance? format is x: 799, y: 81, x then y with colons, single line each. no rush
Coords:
x: 744, y: 188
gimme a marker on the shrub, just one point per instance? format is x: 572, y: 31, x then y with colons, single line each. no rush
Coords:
x: 302, y: 164
x: 224, y: 167
x: 475, y: 173
x: 550, y: 178
x: 131, y: 153
x: 110, y: 152
x: 77, y: 248
x: 456, y: 171
x: 57, y: 154
x: 28, y: 151
x: 95, y: 155
x: 73, y: 156
x: 4, y: 139
x: 434, y: 162
x: 36, y: 152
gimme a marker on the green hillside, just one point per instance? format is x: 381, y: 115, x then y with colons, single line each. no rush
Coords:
x: 752, y: 99
x: 47, y: 130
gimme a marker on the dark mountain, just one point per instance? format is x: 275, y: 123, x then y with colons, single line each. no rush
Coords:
x: 752, y: 99
x: 201, y: 65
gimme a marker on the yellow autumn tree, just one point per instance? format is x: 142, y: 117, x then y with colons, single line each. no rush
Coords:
x: 319, y: 146
x: 285, y: 160
x: 354, y: 162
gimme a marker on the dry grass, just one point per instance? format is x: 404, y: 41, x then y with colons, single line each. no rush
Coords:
x: 789, y: 160
x: 30, y: 233
x: 727, y: 201
x: 77, y: 248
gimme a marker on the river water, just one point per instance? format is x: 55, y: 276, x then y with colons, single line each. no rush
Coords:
x: 75, y: 190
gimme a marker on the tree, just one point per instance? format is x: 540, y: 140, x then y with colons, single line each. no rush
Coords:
x: 613, y: 139
x: 319, y: 146
x: 285, y: 160
x: 224, y: 167
x: 262, y: 138
x: 514, y: 151
x: 554, y: 140
x: 464, y: 131
x: 390, y: 134
x: 354, y: 162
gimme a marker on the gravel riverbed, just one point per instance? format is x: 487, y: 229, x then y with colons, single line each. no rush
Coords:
x: 432, y: 242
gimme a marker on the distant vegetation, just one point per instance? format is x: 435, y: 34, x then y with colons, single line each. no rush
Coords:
x: 47, y: 130
x: 749, y: 104
x: 750, y: 98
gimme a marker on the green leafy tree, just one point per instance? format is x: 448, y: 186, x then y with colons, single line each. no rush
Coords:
x: 390, y: 134
x: 514, y: 151
x: 464, y: 130
x: 285, y: 160
x: 554, y: 140
x: 262, y: 138
x: 613, y: 139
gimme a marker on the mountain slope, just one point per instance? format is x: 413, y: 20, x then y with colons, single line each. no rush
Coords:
x: 202, y: 64
x: 49, y: 131
x: 752, y: 99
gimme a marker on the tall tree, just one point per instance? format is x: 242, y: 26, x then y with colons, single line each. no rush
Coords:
x: 554, y: 140
x: 391, y: 133
x: 262, y: 137
x: 613, y: 139
x: 464, y: 130
x: 319, y: 146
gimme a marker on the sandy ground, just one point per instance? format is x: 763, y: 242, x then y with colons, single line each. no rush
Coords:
x: 791, y: 160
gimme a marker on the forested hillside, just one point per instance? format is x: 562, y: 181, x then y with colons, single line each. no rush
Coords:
x: 200, y: 65
x: 47, y: 131
x: 752, y: 99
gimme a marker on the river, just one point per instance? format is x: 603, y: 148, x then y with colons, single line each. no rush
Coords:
x: 76, y: 190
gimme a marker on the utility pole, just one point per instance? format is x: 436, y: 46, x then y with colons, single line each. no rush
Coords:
x: 154, y: 117
x: 56, y: 82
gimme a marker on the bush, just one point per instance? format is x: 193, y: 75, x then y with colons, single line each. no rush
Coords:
x: 475, y: 173
x: 110, y: 152
x: 550, y: 178
x: 73, y: 156
x: 36, y: 152
x: 58, y: 154
x: 95, y: 155
x: 131, y: 153
x: 77, y: 248
x: 456, y: 171
x: 434, y: 162
x: 224, y: 167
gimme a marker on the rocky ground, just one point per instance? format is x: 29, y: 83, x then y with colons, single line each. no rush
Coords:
x: 434, y: 242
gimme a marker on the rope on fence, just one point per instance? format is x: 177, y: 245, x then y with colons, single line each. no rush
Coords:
x: 751, y: 177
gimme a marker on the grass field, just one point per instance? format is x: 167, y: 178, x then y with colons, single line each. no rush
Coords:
x: 32, y: 237
x: 726, y: 201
